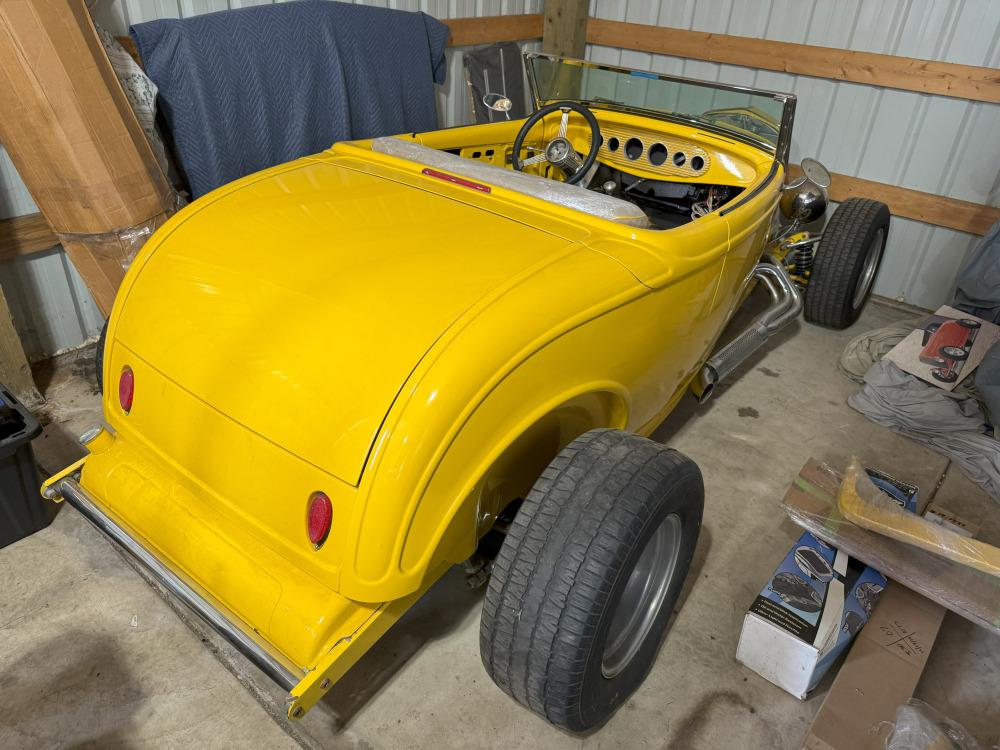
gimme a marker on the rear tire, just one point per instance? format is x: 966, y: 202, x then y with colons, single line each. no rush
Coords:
x: 612, y: 521
x: 956, y: 353
x: 846, y: 263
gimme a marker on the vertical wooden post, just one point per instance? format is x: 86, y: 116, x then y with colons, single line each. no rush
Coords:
x: 564, y: 32
x: 15, y: 372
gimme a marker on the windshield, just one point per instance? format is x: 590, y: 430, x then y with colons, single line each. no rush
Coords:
x: 751, y: 115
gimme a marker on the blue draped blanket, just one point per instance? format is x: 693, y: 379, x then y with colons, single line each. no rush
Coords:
x: 246, y: 89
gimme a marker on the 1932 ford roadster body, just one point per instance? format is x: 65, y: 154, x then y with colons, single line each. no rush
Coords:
x: 330, y: 381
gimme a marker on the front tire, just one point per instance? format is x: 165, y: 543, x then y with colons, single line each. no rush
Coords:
x: 846, y: 263
x: 944, y: 375
x: 586, y: 581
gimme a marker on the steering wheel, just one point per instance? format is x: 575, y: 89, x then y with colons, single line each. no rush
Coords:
x: 559, y: 150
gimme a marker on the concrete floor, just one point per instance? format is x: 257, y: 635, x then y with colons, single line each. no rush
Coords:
x: 92, y: 657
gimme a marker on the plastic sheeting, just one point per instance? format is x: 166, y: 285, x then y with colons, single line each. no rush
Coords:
x: 553, y: 191
x: 922, y: 727
x: 812, y: 503
x: 866, y: 505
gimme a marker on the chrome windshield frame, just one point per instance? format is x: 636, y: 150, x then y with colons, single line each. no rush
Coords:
x: 780, y: 150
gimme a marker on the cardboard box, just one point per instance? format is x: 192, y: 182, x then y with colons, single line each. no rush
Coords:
x: 72, y: 135
x: 880, y: 672
x: 813, y: 606
x: 806, y: 615
x: 882, y: 668
x: 946, y: 348
x: 884, y: 665
x: 811, y: 502
x: 945, y: 518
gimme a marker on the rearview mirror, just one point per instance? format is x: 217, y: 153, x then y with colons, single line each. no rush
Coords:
x: 816, y: 172
x: 498, y: 103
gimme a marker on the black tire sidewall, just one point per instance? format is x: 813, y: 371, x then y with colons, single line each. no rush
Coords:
x: 564, y: 566
x: 828, y: 301
x: 858, y: 267
x: 600, y: 695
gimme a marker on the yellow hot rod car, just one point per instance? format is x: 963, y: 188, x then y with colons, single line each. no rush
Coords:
x: 332, y: 380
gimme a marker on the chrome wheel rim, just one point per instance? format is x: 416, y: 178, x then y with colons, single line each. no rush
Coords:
x: 643, y: 597
x: 872, y: 257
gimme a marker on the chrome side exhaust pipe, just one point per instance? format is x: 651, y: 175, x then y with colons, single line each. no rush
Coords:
x: 786, y: 304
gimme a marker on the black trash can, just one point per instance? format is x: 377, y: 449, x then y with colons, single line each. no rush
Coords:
x: 23, y: 511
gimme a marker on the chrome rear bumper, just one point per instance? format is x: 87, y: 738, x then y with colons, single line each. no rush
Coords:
x: 70, y: 490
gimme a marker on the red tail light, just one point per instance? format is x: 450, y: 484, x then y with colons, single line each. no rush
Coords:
x: 126, y: 389
x: 457, y: 180
x: 319, y: 518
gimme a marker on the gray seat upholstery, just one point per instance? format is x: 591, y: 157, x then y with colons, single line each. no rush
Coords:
x: 570, y: 196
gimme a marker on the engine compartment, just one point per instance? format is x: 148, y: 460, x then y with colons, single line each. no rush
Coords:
x: 667, y: 203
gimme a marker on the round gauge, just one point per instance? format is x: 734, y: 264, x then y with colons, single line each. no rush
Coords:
x: 613, y: 144
x: 697, y: 163
x: 679, y: 159
x: 657, y: 154
x: 633, y: 148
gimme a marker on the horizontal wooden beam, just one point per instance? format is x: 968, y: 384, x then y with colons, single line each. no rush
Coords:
x: 889, y: 71
x: 24, y: 235
x: 491, y: 29
x: 939, y: 210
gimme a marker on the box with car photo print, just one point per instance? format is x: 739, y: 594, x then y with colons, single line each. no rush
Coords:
x: 947, y: 347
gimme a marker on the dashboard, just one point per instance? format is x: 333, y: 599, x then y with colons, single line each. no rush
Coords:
x: 659, y: 154
x: 670, y: 157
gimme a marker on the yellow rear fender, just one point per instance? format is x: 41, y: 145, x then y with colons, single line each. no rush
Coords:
x: 496, y: 459
x: 440, y: 469
x: 468, y: 368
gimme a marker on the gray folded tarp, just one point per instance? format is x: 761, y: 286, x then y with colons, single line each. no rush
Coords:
x: 977, y: 283
x: 246, y: 89
x: 977, y: 291
x: 868, y: 348
x: 987, y: 380
x: 950, y: 423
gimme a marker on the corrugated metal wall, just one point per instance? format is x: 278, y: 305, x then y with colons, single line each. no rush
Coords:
x: 51, y: 306
x: 930, y: 143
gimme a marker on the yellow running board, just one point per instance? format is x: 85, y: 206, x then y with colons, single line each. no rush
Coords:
x: 862, y: 503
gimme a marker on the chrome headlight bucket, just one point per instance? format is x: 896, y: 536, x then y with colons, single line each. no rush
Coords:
x: 804, y: 200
